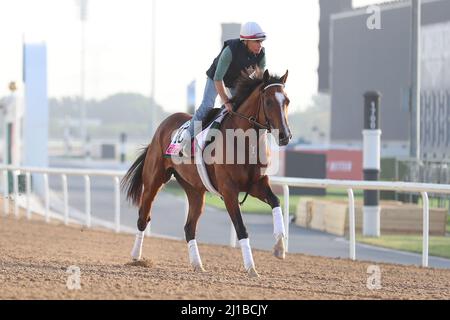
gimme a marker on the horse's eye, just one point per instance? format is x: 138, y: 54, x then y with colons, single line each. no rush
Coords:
x: 269, y: 102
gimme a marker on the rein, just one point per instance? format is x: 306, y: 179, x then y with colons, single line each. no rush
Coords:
x: 253, y: 119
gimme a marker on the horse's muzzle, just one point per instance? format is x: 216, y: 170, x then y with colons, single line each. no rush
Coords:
x: 284, y: 139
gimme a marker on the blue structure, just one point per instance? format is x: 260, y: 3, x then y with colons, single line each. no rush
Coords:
x: 36, y: 110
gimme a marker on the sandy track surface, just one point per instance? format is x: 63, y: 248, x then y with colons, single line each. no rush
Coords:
x: 34, y: 257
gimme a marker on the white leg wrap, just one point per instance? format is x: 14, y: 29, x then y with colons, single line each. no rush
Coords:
x: 194, y: 255
x: 247, y: 254
x: 278, y: 225
x: 137, y: 248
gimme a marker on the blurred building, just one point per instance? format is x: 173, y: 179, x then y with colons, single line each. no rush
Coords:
x: 327, y: 8
x: 363, y: 59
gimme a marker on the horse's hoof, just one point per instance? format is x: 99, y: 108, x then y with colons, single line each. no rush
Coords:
x: 136, y: 256
x: 199, y: 269
x: 252, y: 273
x: 279, y: 250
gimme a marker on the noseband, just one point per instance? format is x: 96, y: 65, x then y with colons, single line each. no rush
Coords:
x: 253, y: 119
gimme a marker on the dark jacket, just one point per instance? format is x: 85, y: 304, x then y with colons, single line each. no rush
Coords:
x: 242, y: 59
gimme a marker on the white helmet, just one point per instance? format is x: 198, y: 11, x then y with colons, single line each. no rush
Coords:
x: 252, y: 31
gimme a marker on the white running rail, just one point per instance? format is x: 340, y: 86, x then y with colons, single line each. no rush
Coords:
x: 285, y: 182
x: 63, y: 172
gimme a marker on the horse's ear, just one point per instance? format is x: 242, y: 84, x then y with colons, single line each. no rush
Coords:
x: 284, y: 78
x: 266, y: 76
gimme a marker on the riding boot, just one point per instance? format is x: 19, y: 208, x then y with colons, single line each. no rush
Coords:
x: 186, y: 149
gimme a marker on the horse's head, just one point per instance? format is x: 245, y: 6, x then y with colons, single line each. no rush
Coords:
x: 275, y: 104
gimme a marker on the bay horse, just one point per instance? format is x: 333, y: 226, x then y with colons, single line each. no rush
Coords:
x: 259, y: 103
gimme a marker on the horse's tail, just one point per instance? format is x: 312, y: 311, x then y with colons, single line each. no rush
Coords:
x: 132, y: 181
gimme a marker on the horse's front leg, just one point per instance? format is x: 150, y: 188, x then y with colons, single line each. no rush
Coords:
x: 263, y: 191
x: 230, y: 198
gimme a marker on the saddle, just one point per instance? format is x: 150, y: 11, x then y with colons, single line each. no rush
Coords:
x: 176, y: 144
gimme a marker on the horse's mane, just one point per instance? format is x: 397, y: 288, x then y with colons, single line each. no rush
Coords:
x: 246, y: 85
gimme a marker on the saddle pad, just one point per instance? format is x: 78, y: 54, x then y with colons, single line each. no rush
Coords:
x: 201, y: 140
x: 202, y: 137
x: 176, y: 143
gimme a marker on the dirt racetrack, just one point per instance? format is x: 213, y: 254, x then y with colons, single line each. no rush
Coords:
x: 34, y: 257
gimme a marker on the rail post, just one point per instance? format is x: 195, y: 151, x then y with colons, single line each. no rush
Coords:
x: 286, y: 213
x: 351, y: 223
x: 87, y: 188
x: 117, y: 203
x: 15, y: 175
x: 28, y: 191
x: 47, y: 198
x: 426, y: 227
x: 5, y: 193
x: 65, y: 198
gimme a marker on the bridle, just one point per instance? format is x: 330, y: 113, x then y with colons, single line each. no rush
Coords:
x: 253, y: 119
x: 255, y: 123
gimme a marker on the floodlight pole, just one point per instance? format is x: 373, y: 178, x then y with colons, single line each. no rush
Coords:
x: 415, y: 82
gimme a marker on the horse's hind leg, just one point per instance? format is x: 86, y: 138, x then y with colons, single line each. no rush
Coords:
x: 196, y: 204
x: 263, y: 192
x: 152, y: 184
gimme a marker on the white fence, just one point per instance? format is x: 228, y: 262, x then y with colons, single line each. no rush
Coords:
x: 285, y: 182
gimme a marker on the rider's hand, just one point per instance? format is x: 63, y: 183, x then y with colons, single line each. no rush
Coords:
x: 229, y: 106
